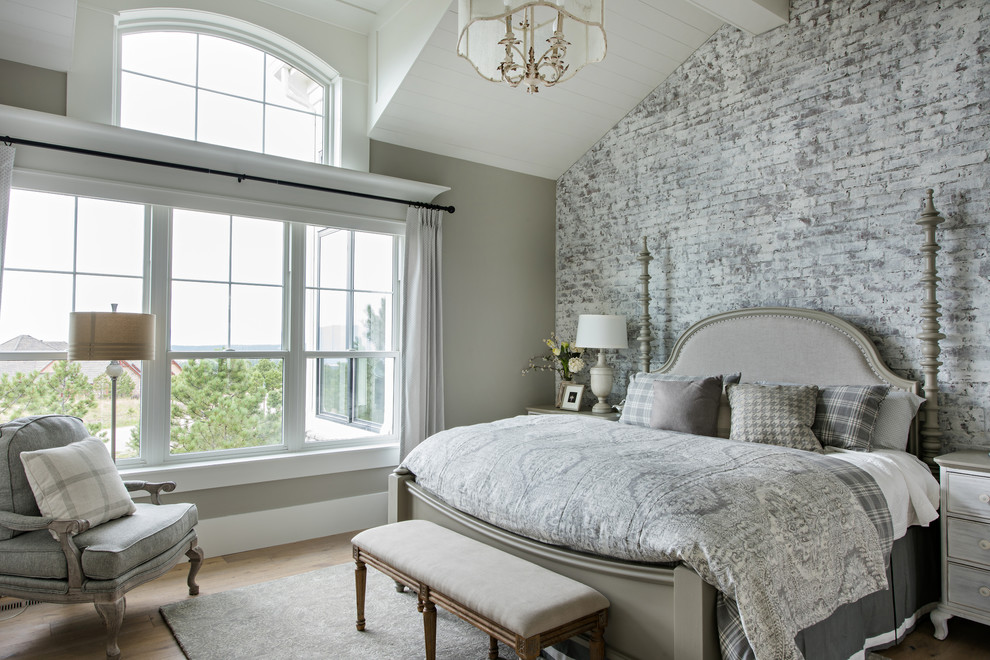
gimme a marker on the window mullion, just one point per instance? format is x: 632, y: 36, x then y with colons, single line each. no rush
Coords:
x: 294, y: 368
x: 156, y: 385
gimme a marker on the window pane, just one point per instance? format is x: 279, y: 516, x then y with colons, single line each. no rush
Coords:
x: 74, y: 388
x: 334, y: 378
x: 255, y: 317
x: 230, y: 121
x: 111, y: 238
x: 291, y: 88
x: 334, y: 263
x: 293, y: 134
x: 372, y: 321
x: 372, y: 389
x: 332, y: 329
x: 372, y: 262
x: 21, y: 313
x: 97, y: 294
x: 157, y: 107
x: 199, y: 316
x: 200, y: 246
x: 257, y: 251
x: 227, y: 66
x: 39, y: 231
x: 143, y: 52
x: 224, y: 403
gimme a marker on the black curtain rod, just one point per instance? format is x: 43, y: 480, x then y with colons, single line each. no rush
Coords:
x: 234, y: 175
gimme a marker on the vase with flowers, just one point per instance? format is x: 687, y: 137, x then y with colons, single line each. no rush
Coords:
x: 564, y: 358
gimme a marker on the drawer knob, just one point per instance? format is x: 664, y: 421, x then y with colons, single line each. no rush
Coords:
x: 984, y: 544
x: 985, y: 592
x: 985, y: 498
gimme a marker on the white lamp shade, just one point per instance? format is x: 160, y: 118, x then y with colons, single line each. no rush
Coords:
x: 111, y: 336
x: 601, y: 331
x: 481, y: 25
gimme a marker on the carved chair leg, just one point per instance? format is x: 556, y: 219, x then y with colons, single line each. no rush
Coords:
x: 597, y: 643
x: 492, y: 648
x: 430, y: 629
x: 360, y: 582
x: 195, y: 554
x: 113, y: 616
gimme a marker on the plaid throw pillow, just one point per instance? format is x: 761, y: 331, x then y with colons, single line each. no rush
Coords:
x: 775, y: 415
x: 77, y: 482
x: 639, y: 394
x: 847, y: 415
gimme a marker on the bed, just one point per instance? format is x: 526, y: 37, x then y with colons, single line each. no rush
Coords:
x: 656, y: 532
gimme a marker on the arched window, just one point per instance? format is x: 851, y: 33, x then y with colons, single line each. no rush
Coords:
x: 219, y: 80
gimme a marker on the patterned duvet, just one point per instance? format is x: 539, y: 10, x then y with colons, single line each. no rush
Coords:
x: 789, y: 535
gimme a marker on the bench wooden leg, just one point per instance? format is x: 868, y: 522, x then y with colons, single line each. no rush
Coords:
x: 597, y: 645
x: 492, y: 648
x: 399, y: 586
x: 360, y: 582
x: 430, y: 629
x: 528, y: 648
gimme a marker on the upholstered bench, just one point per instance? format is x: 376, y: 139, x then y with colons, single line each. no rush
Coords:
x: 515, y: 601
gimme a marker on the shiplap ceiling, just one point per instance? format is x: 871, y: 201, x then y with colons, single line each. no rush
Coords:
x: 442, y: 105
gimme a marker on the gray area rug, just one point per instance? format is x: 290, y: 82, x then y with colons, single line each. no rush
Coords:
x: 312, y: 616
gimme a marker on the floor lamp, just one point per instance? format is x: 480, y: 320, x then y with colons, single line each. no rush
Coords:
x: 112, y: 336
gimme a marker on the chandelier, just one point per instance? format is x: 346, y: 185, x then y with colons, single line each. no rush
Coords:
x: 525, y: 42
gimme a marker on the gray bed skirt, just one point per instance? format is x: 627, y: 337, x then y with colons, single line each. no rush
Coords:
x: 874, y: 622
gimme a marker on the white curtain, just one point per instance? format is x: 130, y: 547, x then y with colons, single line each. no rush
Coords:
x: 422, y: 327
x: 6, y: 175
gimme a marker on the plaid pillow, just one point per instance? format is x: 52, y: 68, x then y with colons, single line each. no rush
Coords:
x: 639, y: 394
x: 77, y: 482
x: 847, y: 415
x: 775, y: 415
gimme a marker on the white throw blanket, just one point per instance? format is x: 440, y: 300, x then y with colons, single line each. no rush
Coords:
x: 789, y: 535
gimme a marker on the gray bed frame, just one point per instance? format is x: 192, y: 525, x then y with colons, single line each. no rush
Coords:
x: 668, y: 612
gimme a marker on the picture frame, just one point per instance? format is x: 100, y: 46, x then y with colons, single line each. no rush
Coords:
x: 572, y: 397
x: 560, y: 392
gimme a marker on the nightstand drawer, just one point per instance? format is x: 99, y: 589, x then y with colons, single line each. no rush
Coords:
x: 969, y: 587
x: 969, y: 541
x: 969, y: 495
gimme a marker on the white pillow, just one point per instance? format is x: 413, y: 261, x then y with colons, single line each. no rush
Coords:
x: 77, y: 482
x: 894, y: 417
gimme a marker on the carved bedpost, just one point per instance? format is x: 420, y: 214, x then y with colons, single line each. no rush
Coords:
x: 645, y: 338
x: 931, y: 334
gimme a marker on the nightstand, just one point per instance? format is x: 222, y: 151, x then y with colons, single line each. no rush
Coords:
x: 550, y: 409
x: 965, y: 512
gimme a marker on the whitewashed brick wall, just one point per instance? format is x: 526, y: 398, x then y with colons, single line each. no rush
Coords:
x: 788, y: 169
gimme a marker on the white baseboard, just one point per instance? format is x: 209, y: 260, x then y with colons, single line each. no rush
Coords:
x: 262, y: 529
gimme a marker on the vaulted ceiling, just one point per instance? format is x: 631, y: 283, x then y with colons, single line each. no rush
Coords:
x: 423, y: 96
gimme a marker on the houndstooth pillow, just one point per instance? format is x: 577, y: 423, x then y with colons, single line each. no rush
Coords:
x: 639, y: 395
x: 77, y: 482
x: 847, y: 415
x: 775, y: 415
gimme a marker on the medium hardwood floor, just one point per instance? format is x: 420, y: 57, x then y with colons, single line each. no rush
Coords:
x: 63, y: 632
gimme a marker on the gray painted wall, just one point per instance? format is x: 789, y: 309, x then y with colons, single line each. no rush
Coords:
x: 498, y: 280
x: 31, y: 87
x: 787, y: 169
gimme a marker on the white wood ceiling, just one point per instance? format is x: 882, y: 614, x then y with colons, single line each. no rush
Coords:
x: 443, y: 106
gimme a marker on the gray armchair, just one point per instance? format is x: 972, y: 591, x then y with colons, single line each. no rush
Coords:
x: 84, y: 564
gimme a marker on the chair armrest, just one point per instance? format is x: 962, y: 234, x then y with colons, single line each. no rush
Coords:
x: 154, y: 488
x: 19, y: 523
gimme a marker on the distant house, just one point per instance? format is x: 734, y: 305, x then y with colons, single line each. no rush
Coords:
x: 91, y: 369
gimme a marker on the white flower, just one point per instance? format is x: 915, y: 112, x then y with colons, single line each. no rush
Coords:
x: 575, y: 365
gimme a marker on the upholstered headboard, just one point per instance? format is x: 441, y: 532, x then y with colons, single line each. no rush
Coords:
x: 783, y: 345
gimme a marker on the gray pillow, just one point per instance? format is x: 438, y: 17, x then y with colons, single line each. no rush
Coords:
x: 897, y: 410
x: 775, y: 415
x: 847, y: 414
x: 687, y: 406
x: 639, y: 397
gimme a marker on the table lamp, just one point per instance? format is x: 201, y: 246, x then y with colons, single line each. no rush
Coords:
x: 601, y: 331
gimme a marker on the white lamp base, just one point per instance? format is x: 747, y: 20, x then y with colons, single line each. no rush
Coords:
x: 602, y: 378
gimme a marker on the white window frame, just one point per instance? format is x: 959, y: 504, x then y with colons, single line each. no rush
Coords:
x: 295, y: 457
x: 199, y: 22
